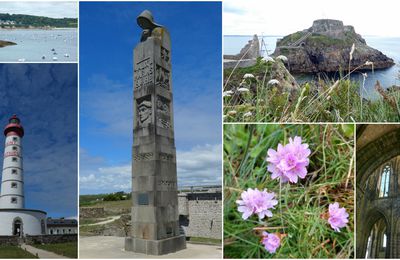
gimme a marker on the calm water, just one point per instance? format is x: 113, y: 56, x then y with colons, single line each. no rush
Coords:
x: 32, y: 45
x: 389, y: 46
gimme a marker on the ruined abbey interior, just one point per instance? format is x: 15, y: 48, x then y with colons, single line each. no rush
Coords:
x: 378, y: 191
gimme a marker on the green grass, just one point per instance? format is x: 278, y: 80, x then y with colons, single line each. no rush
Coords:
x: 330, y: 179
x: 14, y: 252
x: 120, y: 204
x: 68, y: 249
x: 205, y: 240
x: 291, y: 38
x: 317, y: 101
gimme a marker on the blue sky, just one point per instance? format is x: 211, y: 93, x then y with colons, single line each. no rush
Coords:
x: 108, y: 34
x: 44, y: 97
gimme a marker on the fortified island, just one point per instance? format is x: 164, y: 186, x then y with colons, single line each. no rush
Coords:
x: 325, y: 47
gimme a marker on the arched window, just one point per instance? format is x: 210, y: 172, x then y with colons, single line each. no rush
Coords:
x: 377, y: 241
x: 384, y: 182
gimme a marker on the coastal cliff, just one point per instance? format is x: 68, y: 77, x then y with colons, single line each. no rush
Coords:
x: 6, y: 43
x: 325, y: 47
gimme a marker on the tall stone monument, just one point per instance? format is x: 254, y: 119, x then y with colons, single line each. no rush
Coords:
x: 155, y: 217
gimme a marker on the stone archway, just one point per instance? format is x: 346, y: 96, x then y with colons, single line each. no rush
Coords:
x: 17, y: 227
x: 373, y: 218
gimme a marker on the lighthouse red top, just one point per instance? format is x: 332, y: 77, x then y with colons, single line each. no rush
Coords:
x: 14, y: 127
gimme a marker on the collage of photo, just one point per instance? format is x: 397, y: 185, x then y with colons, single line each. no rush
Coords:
x: 199, y: 129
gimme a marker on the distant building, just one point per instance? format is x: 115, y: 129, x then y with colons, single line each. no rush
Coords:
x: 61, y: 226
x: 7, y: 22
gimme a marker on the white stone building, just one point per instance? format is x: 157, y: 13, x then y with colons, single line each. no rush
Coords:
x: 62, y: 226
x: 15, y: 220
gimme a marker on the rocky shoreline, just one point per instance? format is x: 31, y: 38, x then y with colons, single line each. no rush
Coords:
x: 6, y: 43
x: 326, y: 47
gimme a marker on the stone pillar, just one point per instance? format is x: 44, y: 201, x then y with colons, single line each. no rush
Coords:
x: 155, y: 217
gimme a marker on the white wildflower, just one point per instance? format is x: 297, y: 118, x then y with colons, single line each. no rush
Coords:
x: 243, y: 90
x: 267, y: 59
x: 282, y: 58
x: 368, y: 63
x: 227, y: 93
x: 247, y: 114
x: 248, y: 76
x: 273, y: 82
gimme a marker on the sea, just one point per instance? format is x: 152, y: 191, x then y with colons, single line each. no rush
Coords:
x: 38, y: 45
x: 389, y: 46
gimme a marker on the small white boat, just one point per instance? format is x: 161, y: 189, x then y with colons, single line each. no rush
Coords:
x: 22, y: 60
x: 66, y: 55
x: 55, y: 58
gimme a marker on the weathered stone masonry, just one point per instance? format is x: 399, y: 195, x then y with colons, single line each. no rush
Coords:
x: 200, y: 214
x: 372, y: 208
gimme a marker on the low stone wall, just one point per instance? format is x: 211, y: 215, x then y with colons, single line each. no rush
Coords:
x: 205, y: 219
x: 50, y: 239
x: 91, y: 212
x: 9, y: 240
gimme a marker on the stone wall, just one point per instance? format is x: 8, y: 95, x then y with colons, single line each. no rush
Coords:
x: 91, y: 212
x: 202, y: 215
x: 183, y: 204
x: 51, y: 239
x: 9, y: 240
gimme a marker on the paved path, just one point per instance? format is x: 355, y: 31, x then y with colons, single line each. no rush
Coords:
x: 104, y: 222
x: 41, y: 253
x: 113, y: 247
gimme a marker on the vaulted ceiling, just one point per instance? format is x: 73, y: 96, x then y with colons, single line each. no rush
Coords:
x: 369, y: 133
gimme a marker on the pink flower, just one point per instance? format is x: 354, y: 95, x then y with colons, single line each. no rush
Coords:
x: 256, y: 202
x: 337, y: 216
x: 289, y: 162
x: 271, y: 242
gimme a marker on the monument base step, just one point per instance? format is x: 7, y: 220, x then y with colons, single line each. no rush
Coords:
x: 155, y: 247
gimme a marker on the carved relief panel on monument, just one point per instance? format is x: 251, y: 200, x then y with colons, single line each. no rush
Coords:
x: 163, y: 112
x: 166, y: 185
x: 162, y: 77
x: 143, y: 73
x: 144, y: 111
x: 164, y: 54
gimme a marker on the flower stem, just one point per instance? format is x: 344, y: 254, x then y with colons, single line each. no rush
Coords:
x: 280, y: 201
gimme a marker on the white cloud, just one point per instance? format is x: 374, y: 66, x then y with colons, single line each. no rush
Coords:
x: 287, y: 16
x: 200, y: 165
x: 54, y: 9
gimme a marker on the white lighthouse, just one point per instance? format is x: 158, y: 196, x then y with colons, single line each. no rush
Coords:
x: 12, y: 181
x: 15, y: 220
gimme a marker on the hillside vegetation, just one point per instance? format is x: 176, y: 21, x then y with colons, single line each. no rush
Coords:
x: 23, y: 21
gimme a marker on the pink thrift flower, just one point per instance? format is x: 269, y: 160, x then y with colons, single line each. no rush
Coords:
x: 271, y: 242
x: 337, y: 216
x: 256, y: 202
x: 289, y: 162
